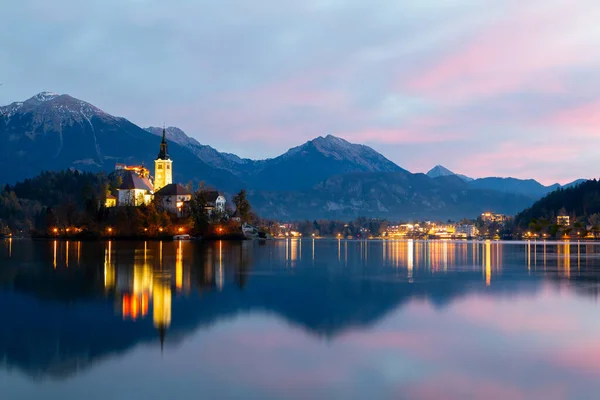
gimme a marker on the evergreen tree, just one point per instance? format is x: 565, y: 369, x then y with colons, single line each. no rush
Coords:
x: 242, y: 205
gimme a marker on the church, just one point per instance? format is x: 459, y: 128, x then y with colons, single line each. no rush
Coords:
x: 138, y: 187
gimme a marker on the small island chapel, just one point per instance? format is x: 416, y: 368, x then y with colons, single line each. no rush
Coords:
x: 139, y: 188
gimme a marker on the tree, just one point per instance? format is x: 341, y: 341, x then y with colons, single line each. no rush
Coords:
x: 198, y: 211
x: 242, y: 205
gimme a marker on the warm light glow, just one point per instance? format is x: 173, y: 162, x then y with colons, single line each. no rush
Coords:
x: 179, y: 267
x: 109, y: 269
x: 161, y: 313
x: 488, y: 263
x: 55, y: 244
x: 55, y: 230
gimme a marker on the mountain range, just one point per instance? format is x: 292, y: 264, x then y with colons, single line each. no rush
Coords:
x: 323, y: 178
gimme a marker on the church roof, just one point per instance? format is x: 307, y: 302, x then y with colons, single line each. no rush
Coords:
x: 132, y: 180
x: 211, y: 196
x: 173, y: 189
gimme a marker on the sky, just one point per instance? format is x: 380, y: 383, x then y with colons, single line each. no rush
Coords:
x: 483, y: 87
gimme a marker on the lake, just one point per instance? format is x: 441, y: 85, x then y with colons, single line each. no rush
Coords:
x: 299, y: 319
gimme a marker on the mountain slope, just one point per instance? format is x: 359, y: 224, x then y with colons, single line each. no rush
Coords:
x: 304, y: 166
x: 55, y: 132
x: 392, y: 195
x: 208, y: 154
x: 526, y: 187
x: 440, y: 170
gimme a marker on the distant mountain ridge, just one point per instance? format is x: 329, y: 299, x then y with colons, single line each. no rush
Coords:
x: 327, y: 176
x: 525, y: 187
x: 300, y: 167
x: 440, y: 170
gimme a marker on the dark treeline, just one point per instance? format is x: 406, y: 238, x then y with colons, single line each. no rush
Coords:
x: 580, y: 203
x: 24, y: 206
x: 360, y: 227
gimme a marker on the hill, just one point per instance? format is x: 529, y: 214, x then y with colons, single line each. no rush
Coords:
x: 579, y: 202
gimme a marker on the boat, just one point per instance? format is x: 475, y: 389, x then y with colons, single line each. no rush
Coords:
x: 252, y: 232
x: 182, y: 237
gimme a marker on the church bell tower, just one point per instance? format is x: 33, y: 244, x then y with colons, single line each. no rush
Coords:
x: 163, y: 165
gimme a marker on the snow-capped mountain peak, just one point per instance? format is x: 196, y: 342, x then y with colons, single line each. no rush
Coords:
x: 43, y: 96
x: 53, y: 106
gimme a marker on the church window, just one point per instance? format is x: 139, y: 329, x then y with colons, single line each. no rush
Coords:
x: 159, y: 166
x: 168, y: 166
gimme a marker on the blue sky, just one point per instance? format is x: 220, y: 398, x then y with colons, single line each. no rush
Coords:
x: 484, y: 87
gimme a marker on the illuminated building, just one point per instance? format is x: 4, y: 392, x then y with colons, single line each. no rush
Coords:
x: 110, y: 201
x: 467, y: 230
x: 563, y: 220
x: 493, y: 217
x: 163, y: 165
x: 135, y: 190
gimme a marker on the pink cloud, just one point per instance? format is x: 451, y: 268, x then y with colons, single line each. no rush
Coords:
x: 585, y: 118
x: 545, y: 160
x: 525, y: 51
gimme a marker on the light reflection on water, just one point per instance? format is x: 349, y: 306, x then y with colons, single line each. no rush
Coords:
x: 299, y: 319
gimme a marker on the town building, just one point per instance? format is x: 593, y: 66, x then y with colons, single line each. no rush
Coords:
x: 493, y: 217
x: 110, y: 201
x: 467, y: 230
x: 174, y: 198
x: 563, y: 220
x: 163, y: 165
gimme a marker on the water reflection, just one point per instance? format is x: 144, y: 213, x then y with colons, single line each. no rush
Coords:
x: 62, y: 316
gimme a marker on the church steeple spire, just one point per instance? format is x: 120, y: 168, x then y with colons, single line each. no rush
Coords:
x: 163, y: 154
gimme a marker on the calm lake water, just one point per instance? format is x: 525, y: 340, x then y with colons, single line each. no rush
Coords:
x: 310, y: 319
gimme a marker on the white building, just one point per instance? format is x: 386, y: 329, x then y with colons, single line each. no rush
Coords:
x: 215, y: 202
x: 467, y: 230
x: 135, y: 190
